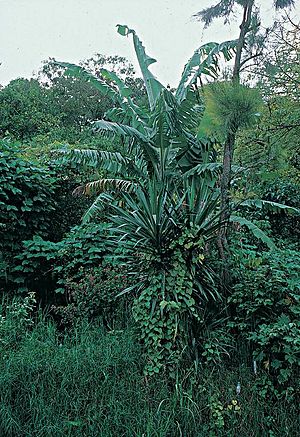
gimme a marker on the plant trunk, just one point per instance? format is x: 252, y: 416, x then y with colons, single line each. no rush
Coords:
x: 229, y: 151
x: 225, y: 206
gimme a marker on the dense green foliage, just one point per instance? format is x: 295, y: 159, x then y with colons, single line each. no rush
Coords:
x: 26, y: 110
x: 266, y: 302
x: 116, y: 318
x: 26, y: 202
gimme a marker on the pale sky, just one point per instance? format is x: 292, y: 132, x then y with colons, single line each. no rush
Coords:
x: 72, y: 30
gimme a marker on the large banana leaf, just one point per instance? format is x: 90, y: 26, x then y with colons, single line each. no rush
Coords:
x: 77, y: 71
x: 110, y: 161
x: 97, y: 206
x: 104, y: 185
x: 153, y: 86
x: 119, y: 129
x: 130, y: 111
x: 205, y: 61
x: 270, y: 206
x: 119, y: 93
x: 211, y: 168
x: 124, y: 90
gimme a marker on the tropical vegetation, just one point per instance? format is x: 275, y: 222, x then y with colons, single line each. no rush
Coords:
x: 149, y: 242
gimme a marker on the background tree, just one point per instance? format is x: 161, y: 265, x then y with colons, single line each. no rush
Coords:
x: 272, y: 148
x: 78, y: 101
x: 26, y: 110
x: 56, y: 107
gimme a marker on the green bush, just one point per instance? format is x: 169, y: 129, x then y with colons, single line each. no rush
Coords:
x: 44, y: 266
x: 284, y: 225
x: 26, y: 197
x: 26, y: 109
x: 95, y: 295
x: 266, y: 303
x: 26, y: 200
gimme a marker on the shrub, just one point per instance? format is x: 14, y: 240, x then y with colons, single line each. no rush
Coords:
x: 266, y: 302
x: 26, y: 202
x: 284, y: 225
x: 95, y: 295
x: 26, y: 197
x: 45, y: 266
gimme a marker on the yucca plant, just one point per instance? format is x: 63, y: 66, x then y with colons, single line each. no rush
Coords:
x: 162, y: 196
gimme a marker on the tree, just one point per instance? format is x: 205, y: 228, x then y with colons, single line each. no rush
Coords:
x: 278, y: 79
x: 161, y: 196
x: 248, y: 30
x: 26, y: 109
x: 78, y: 101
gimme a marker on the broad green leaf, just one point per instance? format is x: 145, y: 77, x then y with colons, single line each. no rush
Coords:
x: 211, y: 167
x: 124, y: 90
x: 268, y: 205
x: 111, y: 161
x: 153, y: 86
x: 76, y: 71
x: 256, y: 231
x: 205, y: 61
x: 119, y: 129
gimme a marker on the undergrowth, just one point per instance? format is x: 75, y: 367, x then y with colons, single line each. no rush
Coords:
x: 90, y: 382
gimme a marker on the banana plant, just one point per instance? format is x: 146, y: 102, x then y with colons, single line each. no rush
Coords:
x: 161, y: 138
x: 162, y: 195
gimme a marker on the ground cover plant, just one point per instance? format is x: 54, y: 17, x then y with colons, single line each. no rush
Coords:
x: 88, y: 382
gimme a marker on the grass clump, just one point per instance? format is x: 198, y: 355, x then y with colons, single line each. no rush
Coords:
x: 89, y: 382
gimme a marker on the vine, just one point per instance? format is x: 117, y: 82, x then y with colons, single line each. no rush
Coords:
x: 166, y: 306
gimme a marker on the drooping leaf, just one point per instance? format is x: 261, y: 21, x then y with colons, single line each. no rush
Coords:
x: 124, y: 90
x: 97, y: 206
x: 104, y: 185
x: 212, y: 168
x: 153, y: 86
x: 270, y: 206
x: 77, y: 71
x: 205, y: 61
x: 111, y: 161
x: 118, y: 129
x: 256, y: 231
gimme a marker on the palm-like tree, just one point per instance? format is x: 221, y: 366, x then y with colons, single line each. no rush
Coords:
x: 249, y: 46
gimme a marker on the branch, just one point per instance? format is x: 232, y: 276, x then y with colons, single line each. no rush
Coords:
x: 250, y: 57
x: 284, y: 126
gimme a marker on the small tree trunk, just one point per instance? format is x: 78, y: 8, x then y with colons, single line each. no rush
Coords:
x: 229, y: 151
x: 225, y: 205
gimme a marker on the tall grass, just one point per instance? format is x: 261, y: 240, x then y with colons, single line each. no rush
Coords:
x: 90, y: 383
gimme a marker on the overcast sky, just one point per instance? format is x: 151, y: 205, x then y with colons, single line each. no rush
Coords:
x: 71, y: 30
